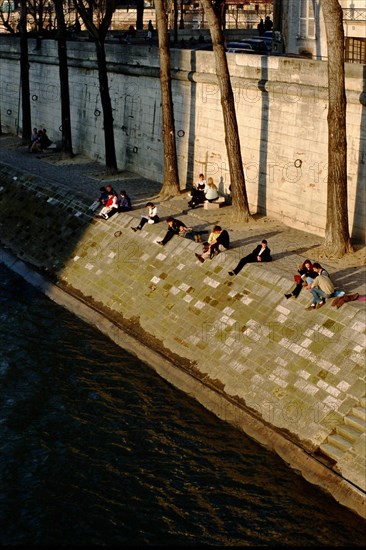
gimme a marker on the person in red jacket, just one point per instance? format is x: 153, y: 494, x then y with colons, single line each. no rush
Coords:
x: 110, y: 208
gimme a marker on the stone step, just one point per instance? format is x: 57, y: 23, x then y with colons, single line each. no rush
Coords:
x: 355, y: 422
x: 330, y: 450
x: 348, y: 433
x: 218, y: 203
x: 213, y: 205
x: 340, y: 442
x: 359, y: 412
x: 363, y: 402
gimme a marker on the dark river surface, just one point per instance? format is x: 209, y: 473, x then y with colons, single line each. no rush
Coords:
x: 97, y: 449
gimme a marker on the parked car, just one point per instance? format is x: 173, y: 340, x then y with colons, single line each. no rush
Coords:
x: 277, y: 40
x: 239, y: 47
x: 266, y: 39
x: 205, y: 46
x: 258, y: 45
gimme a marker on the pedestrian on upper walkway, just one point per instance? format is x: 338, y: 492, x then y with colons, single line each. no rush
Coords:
x: 260, y: 27
x: 268, y: 24
x: 149, y: 34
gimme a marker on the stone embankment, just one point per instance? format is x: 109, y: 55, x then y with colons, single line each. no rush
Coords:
x: 294, y: 380
x: 281, y: 105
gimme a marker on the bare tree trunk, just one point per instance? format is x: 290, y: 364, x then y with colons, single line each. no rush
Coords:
x: 175, y: 4
x: 337, y: 238
x: 98, y: 35
x: 220, y: 9
x: 232, y: 141
x: 66, y: 143
x: 110, y: 151
x: 24, y: 75
x: 277, y: 15
x: 170, y: 187
x: 139, y: 14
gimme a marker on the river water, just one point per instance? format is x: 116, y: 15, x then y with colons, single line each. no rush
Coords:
x: 95, y: 448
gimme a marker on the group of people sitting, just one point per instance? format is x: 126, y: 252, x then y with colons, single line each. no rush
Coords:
x: 175, y: 226
x: 39, y: 141
x: 316, y: 279
x: 203, y: 191
x: 218, y: 240
x: 311, y: 276
x: 111, y: 203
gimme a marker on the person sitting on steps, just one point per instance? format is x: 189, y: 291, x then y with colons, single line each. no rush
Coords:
x: 211, y: 193
x: 124, y: 203
x: 260, y: 254
x: 152, y: 217
x: 34, y: 138
x: 103, y: 197
x: 42, y: 142
x: 110, y: 208
x: 174, y: 228
x: 198, y: 192
x: 305, y: 272
x: 321, y: 288
x: 110, y: 189
x: 218, y: 243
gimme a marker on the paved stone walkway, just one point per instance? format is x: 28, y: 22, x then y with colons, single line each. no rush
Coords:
x: 311, y: 364
x: 289, y: 246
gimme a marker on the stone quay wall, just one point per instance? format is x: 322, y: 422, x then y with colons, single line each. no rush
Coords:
x: 282, y: 106
x: 293, y: 380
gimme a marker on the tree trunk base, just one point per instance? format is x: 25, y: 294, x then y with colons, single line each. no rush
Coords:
x: 111, y: 171
x: 165, y: 196
x: 241, y: 216
x: 65, y: 155
x: 336, y: 251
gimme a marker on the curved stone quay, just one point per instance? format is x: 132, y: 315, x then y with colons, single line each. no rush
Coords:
x: 293, y: 380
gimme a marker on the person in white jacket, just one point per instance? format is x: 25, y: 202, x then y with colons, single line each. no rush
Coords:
x: 152, y: 217
x: 211, y: 193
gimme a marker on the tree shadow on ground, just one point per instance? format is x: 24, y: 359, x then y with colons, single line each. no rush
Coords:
x: 350, y: 278
x: 253, y: 239
x: 297, y: 251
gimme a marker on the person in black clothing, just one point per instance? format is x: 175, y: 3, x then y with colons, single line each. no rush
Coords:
x: 103, y: 197
x: 110, y: 189
x: 174, y: 228
x: 124, y: 203
x: 44, y: 140
x: 260, y: 27
x: 41, y: 141
x: 198, y: 192
x: 219, y: 244
x: 268, y: 24
x: 260, y: 254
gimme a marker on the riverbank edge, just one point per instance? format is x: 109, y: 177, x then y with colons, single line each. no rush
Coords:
x: 212, y: 398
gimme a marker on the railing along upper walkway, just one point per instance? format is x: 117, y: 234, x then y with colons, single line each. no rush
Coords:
x: 354, y: 14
